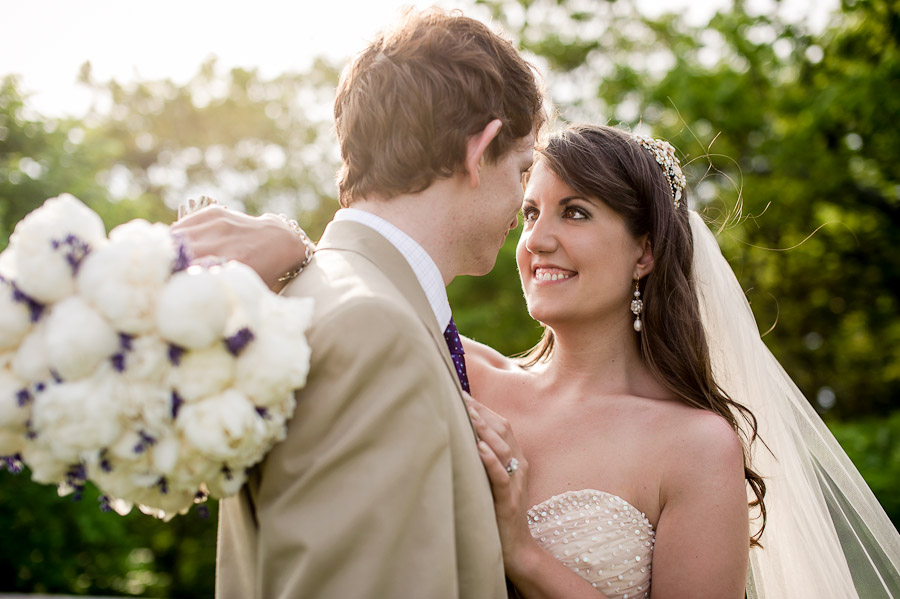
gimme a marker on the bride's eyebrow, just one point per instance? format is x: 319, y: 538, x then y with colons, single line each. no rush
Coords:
x: 561, y: 202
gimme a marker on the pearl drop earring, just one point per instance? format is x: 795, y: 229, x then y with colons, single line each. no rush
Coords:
x: 637, y: 306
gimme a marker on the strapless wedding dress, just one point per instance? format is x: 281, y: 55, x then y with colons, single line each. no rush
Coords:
x: 601, y: 537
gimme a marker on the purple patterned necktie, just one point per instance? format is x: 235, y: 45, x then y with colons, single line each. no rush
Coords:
x: 451, y: 336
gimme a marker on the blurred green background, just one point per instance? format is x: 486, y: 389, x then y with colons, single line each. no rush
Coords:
x: 798, y: 127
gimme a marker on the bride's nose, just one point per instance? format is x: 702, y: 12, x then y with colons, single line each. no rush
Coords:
x: 542, y: 237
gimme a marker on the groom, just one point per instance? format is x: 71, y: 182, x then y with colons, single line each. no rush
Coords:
x: 378, y: 490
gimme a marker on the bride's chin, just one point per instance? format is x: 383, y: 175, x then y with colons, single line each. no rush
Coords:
x: 541, y: 314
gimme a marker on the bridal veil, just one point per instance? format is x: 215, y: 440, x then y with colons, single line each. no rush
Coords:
x: 826, y: 535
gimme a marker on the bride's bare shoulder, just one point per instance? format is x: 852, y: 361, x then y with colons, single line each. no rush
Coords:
x: 479, y: 355
x: 489, y: 370
x: 697, y: 441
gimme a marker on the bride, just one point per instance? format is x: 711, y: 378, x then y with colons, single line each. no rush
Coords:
x: 622, y: 450
x: 635, y: 468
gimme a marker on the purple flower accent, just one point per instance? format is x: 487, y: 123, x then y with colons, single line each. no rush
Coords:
x: 176, y: 404
x: 76, y: 476
x: 56, y: 378
x: 201, y: 496
x: 118, y: 362
x: 76, y: 251
x: 29, y: 431
x: 104, y: 503
x: 226, y: 471
x: 175, y: 353
x: 23, y: 397
x: 203, y: 512
x: 35, y: 308
x: 146, y: 441
x: 163, y: 485
x: 263, y: 413
x: 13, y: 463
x: 237, y: 342
x: 125, y: 341
x: 104, y: 462
x: 183, y: 256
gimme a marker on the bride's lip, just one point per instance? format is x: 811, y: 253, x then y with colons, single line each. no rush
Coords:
x: 551, y: 274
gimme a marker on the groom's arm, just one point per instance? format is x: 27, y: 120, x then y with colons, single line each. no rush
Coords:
x: 358, y: 499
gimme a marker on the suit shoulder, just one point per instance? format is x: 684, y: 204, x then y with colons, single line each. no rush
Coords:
x: 345, y: 281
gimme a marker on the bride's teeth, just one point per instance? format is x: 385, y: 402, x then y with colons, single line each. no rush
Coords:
x: 550, y: 276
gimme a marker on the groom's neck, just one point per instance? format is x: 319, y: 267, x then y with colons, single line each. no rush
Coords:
x: 427, y: 217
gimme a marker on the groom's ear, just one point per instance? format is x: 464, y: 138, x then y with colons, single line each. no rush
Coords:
x: 476, y: 147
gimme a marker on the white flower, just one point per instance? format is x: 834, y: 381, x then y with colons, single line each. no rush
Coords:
x: 72, y: 418
x: 129, y: 446
x: 276, y: 416
x: 153, y: 494
x: 45, y: 465
x: 271, y: 366
x: 225, y: 426
x: 289, y: 316
x: 122, y: 279
x: 276, y: 362
x: 15, y: 318
x: 77, y: 339
x: 192, y: 309
x: 49, y: 245
x: 146, y: 359
x: 8, y: 263
x: 202, y: 372
x: 166, y: 506
x: 31, y: 361
x: 190, y: 469
x: 227, y: 482
x: 165, y: 454
x: 247, y: 292
x: 145, y: 406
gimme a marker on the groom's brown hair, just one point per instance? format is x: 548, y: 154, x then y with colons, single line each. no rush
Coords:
x: 407, y: 104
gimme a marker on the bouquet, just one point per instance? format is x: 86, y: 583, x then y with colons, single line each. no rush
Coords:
x: 121, y: 363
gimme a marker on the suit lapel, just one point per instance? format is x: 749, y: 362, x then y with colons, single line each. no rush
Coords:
x: 362, y: 240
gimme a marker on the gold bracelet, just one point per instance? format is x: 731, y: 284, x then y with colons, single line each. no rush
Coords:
x: 307, y: 242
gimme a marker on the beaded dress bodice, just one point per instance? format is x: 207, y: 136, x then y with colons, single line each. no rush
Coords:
x: 601, y: 537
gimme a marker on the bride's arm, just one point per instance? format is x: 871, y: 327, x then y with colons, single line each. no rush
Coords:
x: 702, y: 536
x: 269, y: 244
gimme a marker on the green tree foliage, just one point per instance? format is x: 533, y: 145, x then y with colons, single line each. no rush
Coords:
x: 797, y: 127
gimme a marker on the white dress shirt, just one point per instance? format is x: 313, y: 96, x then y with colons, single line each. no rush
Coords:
x: 423, y: 266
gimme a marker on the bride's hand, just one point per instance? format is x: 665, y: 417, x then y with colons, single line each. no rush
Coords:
x: 268, y: 243
x: 507, y: 470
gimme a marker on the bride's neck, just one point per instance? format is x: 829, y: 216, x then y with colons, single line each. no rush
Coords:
x: 598, y: 359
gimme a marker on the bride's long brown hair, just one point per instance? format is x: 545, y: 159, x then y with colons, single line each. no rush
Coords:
x: 608, y: 164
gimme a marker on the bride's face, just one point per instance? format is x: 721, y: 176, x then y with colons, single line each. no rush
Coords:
x: 576, y: 258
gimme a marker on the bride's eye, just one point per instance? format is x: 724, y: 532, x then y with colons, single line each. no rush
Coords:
x: 575, y: 213
x: 529, y: 214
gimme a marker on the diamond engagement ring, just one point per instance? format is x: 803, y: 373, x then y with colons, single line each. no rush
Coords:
x: 512, y: 466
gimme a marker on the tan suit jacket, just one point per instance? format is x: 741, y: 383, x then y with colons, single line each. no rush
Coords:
x: 378, y: 490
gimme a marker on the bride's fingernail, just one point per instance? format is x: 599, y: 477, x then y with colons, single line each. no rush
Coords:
x: 483, y: 446
x: 473, y: 414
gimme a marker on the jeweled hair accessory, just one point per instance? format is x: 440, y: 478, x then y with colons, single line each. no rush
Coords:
x: 664, y: 154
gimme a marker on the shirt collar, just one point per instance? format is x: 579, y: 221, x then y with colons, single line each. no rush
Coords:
x: 426, y: 271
